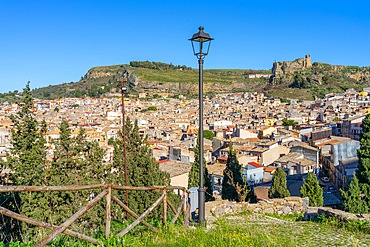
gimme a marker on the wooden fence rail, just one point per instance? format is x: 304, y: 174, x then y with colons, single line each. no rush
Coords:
x: 107, y: 192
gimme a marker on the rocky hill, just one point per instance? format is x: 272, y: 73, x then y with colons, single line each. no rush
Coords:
x: 319, y: 78
x: 170, y: 79
x: 301, y: 78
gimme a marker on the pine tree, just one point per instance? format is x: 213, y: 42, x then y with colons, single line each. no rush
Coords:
x: 27, y: 160
x: 76, y: 161
x: 143, y: 170
x: 193, y: 180
x: 361, y: 184
x: 62, y: 172
x: 352, y: 201
x: 279, y: 188
x: 363, y: 173
x: 233, y: 186
x: 311, y: 189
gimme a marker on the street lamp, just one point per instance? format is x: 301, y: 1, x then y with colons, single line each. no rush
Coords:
x: 122, y: 79
x: 198, y: 40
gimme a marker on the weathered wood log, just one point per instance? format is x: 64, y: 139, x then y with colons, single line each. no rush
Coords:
x: 20, y: 217
x: 187, y: 207
x: 178, y: 212
x: 50, y: 188
x: 83, y: 187
x: 57, y: 230
x: 119, y: 187
x: 164, y: 206
x: 108, y: 213
x: 72, y: 219
x: 132, y: 213
x: 133, y: 224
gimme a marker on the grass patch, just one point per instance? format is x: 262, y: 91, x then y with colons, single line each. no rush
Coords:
x: 246, y: 229
x: 360, y: 226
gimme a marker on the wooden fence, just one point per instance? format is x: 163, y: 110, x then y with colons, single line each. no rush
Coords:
x: 107, y: 192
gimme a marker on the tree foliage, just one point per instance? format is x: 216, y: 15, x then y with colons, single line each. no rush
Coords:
x: 65, y: 161
x: 27, y: 161
x: 233, y: 186
x: 279, y: 188
x: 193, y: 180
x: 352, y: 199
x: 208, y: 135
x: 27, y: 158
x: 363, y: 172
x: 142, y: 168
x: 357, y: 198
x: 289, y: 122
x: 75, y: 161
x: 158, y: 65
x: 311, y: 189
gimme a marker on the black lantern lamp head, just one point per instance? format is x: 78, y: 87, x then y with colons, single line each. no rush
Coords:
x: 197, y: 42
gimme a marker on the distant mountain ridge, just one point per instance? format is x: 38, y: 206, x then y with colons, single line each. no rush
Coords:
x: 299, y: 79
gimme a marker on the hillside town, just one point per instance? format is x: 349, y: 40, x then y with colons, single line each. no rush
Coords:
x: 322, y: 137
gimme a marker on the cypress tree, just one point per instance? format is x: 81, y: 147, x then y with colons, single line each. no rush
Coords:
x: 279, y: 188
x: 311, y: 189
x: 233, y: 186
x: 27, y: 157
x: 352, y: 201
x: 76, y: 161
x: 143, y: 170
x: 360, y: 184
x: 27, y: 161
x: 62, y: 172
x: 193, y: 180
x: 363, y: 153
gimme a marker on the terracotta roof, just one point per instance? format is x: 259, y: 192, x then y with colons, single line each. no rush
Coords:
x: 162, y: 161
x: 269, y: 169
x: 216, y: 169
x: 253, y: 139
x: 224, y: 158
x: 175, y: 168
x: 326, y: 143
x: 255, y: 164
x: 242, y: 148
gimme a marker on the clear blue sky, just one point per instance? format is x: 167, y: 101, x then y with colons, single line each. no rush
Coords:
x: 52, y: 42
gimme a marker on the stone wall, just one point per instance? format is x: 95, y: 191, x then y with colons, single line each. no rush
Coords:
x: 314, y: 212
x: 287, y: 205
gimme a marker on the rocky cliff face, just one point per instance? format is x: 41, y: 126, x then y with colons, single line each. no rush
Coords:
x: 105, y: 73
x: 287, y: 67
x: 302, y: 73
x: 283, y: 71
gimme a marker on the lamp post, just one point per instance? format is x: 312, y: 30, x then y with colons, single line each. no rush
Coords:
x: 198, y: 40
x: 122, y: 78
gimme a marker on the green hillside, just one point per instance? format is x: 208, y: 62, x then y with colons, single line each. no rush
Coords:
x: 290, y: 79
x: 101, y: 80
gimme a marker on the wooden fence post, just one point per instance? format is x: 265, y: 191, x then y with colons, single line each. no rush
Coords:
x: 70, y: 221
x: 186, y: 216
x: 164, y: 206
x: 62, y: 229
x: 108, y: 212
x: 133, y: 224
x: 132, y: 213
x: 28, y: 220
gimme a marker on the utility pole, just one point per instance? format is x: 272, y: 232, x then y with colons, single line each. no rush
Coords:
x: 122, y: 78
